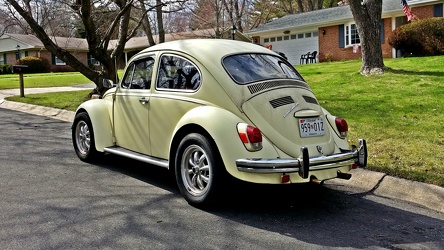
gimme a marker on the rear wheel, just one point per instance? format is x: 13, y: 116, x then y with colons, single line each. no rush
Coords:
x: 83, y: 138
x: 197, y: 172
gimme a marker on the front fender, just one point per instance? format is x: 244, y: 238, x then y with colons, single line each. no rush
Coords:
x: 221, y: 125
x: 99, y: 111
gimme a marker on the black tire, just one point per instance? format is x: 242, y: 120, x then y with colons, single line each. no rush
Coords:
x: 83, y: 138
x: 198, y: 174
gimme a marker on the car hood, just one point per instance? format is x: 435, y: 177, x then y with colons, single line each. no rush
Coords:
x: 276, y: 108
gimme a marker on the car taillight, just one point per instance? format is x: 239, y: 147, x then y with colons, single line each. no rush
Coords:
x: 250, y: 136
x: 342, y: 127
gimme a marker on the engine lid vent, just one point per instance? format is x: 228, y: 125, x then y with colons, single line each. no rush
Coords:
x: 281, y: 101
x: 310, y: 99
x: 258, y: 87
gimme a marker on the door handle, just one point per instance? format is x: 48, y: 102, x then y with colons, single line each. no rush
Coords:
x: 143, y: 100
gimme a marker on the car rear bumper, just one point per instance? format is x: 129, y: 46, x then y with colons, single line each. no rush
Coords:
x: 356, y: 156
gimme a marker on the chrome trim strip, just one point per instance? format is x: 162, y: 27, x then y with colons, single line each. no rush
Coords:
x: 137, y: 156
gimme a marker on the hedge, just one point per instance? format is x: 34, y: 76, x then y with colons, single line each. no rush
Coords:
x: 420, y: 38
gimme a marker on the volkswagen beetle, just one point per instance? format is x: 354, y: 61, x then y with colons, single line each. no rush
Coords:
x: 207, y: 109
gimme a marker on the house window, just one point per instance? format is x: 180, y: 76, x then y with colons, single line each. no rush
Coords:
x: 351, y: 35
x: 300, y: 36
x: 307, y: 35
x: 273, y: 39
x: 293, y: 37
x: 279, y: 38
x: 266, y: 40
x: 57, y: 61
x: 315, y: 34
x: 286, y: 38
x: 3, y: 59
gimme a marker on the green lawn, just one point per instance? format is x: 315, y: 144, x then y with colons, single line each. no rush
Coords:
x: 400, y: 113
x: 11, y: 81
x: 69, y: 100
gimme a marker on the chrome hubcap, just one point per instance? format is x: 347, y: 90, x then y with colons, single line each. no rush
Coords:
x: 195, y: 170
x: 83, y: 139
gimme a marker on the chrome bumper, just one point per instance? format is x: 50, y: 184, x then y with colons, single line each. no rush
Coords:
x: 358, y: 156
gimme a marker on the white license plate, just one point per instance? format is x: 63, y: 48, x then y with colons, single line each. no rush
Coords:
x: 312, y: 127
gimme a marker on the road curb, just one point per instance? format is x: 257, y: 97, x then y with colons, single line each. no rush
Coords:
x: 59, y: 114
x: 380, y: 184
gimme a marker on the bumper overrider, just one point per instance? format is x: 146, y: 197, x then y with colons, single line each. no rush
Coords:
x: 356, y: 156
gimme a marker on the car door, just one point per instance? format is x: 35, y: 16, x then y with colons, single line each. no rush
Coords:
x: 178, y: 79
x: 131, y: 106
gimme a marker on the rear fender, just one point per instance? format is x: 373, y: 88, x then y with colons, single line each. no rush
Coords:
x: 99, y: 111
x: 340, y: 143
x: 221, y: 125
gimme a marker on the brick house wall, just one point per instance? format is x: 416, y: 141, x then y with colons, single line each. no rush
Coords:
x: 423, y: 12
x: 81, y: 56
x: 329, y: 49
x: 385, y: 46
x: 11, y: 58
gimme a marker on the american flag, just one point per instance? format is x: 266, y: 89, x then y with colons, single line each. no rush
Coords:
x: 407, y: 10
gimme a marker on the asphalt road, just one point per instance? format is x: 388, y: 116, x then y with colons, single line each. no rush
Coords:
x: 51, y: 200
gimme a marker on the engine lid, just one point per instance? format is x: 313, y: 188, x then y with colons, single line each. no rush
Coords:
x: 291, y: 117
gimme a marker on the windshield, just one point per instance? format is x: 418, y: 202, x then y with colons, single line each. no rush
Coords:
x: 247, y: 68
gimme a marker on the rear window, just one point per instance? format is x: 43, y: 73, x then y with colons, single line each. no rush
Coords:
x: 247, y: 68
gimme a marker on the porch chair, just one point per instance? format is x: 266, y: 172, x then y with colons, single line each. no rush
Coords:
x: 304, y: 57
x: 312, y: 57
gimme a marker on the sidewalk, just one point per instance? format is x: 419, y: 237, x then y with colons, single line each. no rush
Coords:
x: 363, y: 181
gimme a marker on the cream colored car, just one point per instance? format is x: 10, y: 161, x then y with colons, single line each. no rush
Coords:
x: 209, y: 109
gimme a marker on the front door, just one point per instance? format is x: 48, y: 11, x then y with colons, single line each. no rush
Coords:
x: 131, y: 107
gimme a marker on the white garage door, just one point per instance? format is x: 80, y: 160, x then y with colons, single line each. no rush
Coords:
x: 295, y: 45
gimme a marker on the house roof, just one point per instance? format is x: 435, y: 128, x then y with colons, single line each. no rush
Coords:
x: 135, y: 43
x: 32, y: 41
x: 326, y: 17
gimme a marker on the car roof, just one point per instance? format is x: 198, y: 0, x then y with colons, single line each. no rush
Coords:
x: 201, y: 49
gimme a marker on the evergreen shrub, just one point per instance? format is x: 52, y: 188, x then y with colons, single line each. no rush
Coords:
x: 420, y: 38
x: 5, y: 69
x: 35, y: 64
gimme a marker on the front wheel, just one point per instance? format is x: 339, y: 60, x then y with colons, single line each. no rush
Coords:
x: 83, y: 138
x: 197, y: 172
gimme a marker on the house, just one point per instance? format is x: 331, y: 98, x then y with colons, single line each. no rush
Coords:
x: 16, y: 46
x: 13, y: 47
x: 332, y: 32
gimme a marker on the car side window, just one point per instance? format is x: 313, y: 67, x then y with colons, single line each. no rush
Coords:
x: 138, y: 74
x: 177, y: 73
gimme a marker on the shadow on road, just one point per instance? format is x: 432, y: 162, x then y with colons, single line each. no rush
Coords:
x: 310, y: 213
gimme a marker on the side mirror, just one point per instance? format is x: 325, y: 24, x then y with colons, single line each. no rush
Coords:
x: 107, y: 83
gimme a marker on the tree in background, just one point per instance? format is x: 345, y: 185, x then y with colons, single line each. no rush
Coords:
x: 205, y: 14
x: 98, y: 22
x: 367, y: 15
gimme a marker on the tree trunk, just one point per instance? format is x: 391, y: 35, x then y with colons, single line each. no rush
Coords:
x: 147, y: 25
x: 367, y: 15
x: 159, y: 14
